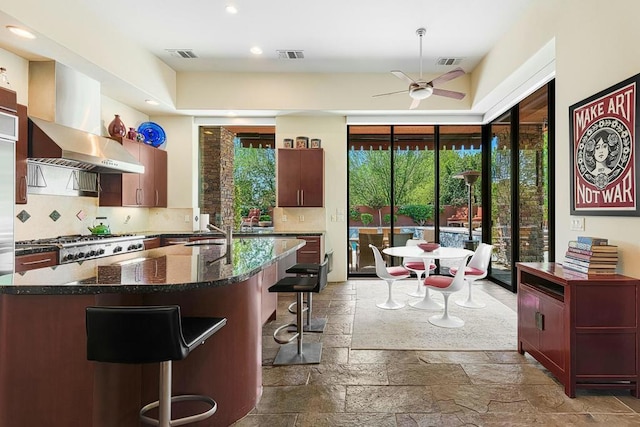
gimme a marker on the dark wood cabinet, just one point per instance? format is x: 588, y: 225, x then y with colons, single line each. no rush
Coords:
x: 300, y: 177
x: 310, y: 252
x: 148, y: 189
x: 33, y: 261
x: 152, y: 243
x: 8, y: 101
x: 21, y: 156
x: 583, y: 329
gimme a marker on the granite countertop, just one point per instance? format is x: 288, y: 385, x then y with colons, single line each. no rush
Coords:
x: 201, y: 264
x: 28, y: 250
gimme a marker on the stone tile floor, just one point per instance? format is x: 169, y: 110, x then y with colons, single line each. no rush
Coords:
x: 418, y: 388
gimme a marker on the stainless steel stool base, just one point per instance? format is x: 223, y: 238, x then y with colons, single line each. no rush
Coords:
x: 185, y: 420
x: 316, y: 325
x: 288, y: 354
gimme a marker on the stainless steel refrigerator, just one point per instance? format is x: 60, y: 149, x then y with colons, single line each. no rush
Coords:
x: 8, y: 137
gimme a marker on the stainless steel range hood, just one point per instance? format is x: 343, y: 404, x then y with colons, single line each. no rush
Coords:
x: 59, y: 145
x: 64, y: 122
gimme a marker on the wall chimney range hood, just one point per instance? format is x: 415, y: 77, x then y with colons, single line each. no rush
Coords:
x: 64, y: 123
x: 59, y: 145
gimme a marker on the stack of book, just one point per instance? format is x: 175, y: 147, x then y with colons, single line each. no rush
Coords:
x: 591, y: 255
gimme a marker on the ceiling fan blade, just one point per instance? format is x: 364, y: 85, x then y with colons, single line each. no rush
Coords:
x: 391, y: 93
x: 455, y: 73
x: 402, y: 76
x: 414, y: 104
x: 449, y: 93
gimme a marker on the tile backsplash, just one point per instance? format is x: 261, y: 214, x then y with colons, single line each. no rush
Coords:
x: 52, y: 216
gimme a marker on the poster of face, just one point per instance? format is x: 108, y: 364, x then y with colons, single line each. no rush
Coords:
x: 603, y: 157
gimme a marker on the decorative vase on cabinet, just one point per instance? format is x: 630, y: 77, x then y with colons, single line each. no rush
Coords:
x: 117, y: 127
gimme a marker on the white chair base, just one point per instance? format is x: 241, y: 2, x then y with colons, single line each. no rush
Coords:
x: 426, y: 303
x: 470, y: 302
x: 390, y: 304
x: 420, y: 291
x: 446, y: 321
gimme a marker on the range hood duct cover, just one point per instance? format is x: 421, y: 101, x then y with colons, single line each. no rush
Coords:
x: 64, y: 122
x: 52, y: 143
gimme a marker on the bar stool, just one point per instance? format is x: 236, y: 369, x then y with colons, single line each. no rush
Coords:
x: 151, y: 334
x: 308, y: 269
x: 299, y: 353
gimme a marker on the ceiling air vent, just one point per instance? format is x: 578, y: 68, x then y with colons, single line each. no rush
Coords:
x: 182, y: 53
x: 290, y: 54
x: 448, y: 61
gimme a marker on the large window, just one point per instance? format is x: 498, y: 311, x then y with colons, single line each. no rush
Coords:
x: 521, y: 185
x: 397, y: 193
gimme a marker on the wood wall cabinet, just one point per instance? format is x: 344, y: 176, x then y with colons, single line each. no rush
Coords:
x: 33, y: 261
x: 148, y: 189
x: 300, y: 177
x: 8, y: 101
x: 21, y: 155
x: 584, y: 329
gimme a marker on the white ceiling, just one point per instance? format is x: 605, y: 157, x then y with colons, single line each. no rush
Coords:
x: 363, y: 36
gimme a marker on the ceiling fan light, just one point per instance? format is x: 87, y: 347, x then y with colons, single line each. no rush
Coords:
x: 421, y: 92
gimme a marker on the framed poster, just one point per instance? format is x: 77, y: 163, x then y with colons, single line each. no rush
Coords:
x: 604, y: 166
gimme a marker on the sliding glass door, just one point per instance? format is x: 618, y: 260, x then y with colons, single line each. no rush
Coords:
x: 521, y: 185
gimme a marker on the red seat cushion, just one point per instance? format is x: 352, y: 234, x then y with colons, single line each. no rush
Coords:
x: 398, y: 271
x: 438, y: 281
x: 415, y: 265
x: 468, y: 271
x: 418, y: 265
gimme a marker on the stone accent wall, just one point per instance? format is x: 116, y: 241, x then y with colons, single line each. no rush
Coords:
x: 216, y: 174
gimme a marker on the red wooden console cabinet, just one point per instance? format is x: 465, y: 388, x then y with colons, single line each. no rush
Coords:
x: 584, y: 329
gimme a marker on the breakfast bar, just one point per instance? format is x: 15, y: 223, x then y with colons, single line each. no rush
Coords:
x: 44, y: 373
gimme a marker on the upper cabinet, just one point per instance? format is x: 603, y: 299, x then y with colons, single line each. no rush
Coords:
x: 300, y: 177
x: 8, y: 101
x: 131, y: 189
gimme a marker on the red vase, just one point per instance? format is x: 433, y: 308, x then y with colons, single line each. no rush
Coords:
x: 132, y: 134
x: 117, y: 127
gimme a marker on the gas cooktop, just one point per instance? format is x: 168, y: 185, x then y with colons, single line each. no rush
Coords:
x: 80, y: 247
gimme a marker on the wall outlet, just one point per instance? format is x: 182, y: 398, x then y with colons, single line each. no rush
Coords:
x: 284, y: 218
x: 577, y: 223
x: 301, y: 218
x: 187, y: 218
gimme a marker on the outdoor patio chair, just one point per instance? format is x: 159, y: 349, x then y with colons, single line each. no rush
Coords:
x: 252, y: 218
x: 365, y: 257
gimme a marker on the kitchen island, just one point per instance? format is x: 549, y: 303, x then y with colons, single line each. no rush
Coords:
x: 45, y: 378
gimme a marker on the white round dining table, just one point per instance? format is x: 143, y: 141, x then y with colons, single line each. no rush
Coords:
x: 415, y: 252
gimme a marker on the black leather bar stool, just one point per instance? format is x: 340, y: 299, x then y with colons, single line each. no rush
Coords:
x: 308, y: 269
x: 151, y: 334
x: 299, y: 353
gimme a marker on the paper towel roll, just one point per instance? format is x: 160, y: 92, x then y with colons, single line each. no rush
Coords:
x: 204, y: 221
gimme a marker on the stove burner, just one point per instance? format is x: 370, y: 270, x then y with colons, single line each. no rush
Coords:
x: 80, y: 247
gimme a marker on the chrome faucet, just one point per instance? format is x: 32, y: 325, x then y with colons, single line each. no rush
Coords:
x: 227, y: 232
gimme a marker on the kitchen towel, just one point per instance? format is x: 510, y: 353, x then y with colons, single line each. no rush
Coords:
x: 204, y: 221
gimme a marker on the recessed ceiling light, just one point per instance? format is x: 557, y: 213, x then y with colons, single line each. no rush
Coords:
x: 256, y: 50
x: 231, y: 9
x: 151, y: 102
x: 21, y: 32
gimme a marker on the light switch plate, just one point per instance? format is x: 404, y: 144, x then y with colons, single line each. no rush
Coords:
x: 577, y: 223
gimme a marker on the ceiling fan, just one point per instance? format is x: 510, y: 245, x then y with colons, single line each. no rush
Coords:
x: 420, y: 89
